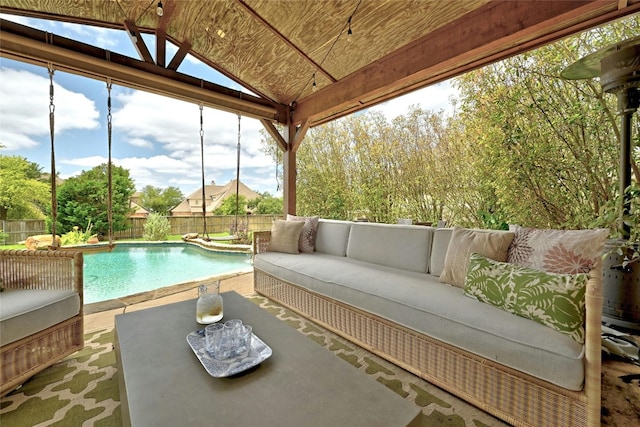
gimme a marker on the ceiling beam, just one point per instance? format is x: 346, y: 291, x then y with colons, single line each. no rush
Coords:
x: 275, y: 134
x: 177, y: 59
x: 507, y: 28
x: 138, y: 42
x: 37, y: 47
x: 161, y: 47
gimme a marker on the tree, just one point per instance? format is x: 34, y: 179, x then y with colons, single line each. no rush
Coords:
x: 84, y: 198
x: 22, y: 195
x: 550, y: 144
x: 228, y: 206
x: 266, y: 204
x: 155, y: 199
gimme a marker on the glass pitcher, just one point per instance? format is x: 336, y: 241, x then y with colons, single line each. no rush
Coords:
x: 209, y: 305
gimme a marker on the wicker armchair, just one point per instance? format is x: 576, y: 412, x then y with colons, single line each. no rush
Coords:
x: 53, y: 270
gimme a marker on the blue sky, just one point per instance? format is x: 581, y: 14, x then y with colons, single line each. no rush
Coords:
x: 156, y: 138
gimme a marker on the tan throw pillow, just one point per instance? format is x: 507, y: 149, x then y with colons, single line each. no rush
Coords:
x: 285, y: 236
x: 307, y: 243
x: 492, y: 244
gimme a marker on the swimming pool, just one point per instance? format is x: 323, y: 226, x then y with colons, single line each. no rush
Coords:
x: 132, y: 268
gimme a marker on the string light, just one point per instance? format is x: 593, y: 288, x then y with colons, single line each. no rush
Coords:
x: 314, y: 86
x: 160, y: 10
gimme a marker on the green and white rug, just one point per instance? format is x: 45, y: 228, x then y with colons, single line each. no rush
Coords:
x: 82, y: 390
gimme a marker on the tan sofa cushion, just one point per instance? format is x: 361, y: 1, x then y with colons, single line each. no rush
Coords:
x: 493, y: 244
x: 285, y: 236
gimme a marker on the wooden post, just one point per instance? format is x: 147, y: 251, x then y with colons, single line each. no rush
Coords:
x: 289, y: 167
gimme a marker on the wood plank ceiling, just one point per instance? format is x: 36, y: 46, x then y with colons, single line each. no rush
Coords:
x: 277, y: 48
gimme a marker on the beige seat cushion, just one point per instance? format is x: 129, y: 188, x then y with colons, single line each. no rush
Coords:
x: 24, y: 312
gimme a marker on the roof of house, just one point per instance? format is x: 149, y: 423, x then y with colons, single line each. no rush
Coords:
x: 214, y: 193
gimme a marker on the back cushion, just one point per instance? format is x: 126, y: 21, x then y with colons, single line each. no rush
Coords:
x: 406, y: 247
x: 332, y: 237
x: 441, y: 238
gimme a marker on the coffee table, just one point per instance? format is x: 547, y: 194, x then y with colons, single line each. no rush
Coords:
x: 162, y: 382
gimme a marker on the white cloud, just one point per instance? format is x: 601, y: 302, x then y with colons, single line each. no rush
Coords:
x: 95, y: 36
x: 436, y: 98
x: 140, y: 142
x: 24, y: 109
x: 175, y: 126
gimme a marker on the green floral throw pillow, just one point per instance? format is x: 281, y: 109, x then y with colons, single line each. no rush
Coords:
x: 555, y: 300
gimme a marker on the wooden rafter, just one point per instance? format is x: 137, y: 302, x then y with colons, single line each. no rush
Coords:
x: 496, y: 31
x: 138, y: 42
x: 28, y: 45
x: 271, y: 130
x: 183, y: 51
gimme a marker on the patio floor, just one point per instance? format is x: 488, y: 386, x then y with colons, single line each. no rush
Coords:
x: 620, y: 399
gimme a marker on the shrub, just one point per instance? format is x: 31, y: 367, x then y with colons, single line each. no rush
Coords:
x: 76, y: 236
x: 156, y: 227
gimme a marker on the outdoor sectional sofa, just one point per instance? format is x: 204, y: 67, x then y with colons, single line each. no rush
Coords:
x: 381, y: 287
x: 41, y: 315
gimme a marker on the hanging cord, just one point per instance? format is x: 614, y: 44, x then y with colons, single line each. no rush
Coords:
x: 204, y: 206
x: 238, y: 176
x: 277, y: 168
x: 54, y: 200
x: 109, y: 167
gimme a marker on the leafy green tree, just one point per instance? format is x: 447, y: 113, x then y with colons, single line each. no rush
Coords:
x: 324, y: 186
x: 155, y: 199
x: 266, y: 204
x: 84, y: 198
x: 228, y: 206
x: 22, y: 195
x: 550, y: 144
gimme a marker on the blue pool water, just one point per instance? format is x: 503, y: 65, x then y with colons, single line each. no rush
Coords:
x: 134, y: 268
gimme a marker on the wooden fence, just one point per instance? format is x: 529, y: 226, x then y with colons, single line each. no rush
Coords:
x: 17, y: 231
x: 195, y: 224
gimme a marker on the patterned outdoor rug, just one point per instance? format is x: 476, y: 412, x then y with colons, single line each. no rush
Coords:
x: 82, y: 390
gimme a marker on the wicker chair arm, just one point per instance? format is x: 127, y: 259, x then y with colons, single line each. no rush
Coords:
x: 42, y: 269
x: 261, y: 241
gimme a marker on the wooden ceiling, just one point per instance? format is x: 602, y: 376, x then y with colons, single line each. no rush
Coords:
x: 274, y: 48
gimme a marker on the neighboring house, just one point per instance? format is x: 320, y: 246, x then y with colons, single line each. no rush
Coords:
x: 134, y: 206
x: 214, y: 196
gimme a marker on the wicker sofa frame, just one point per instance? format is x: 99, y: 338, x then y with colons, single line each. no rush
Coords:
x: 515, y: 397
x: 41, y: 269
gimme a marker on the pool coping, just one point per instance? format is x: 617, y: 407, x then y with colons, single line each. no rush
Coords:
x: 211, y: 245
x: 122, y: 302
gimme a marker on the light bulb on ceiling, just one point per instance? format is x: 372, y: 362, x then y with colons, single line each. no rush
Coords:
x: 314, y: 87
x: 160, y: 10
x: 349, y: 32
